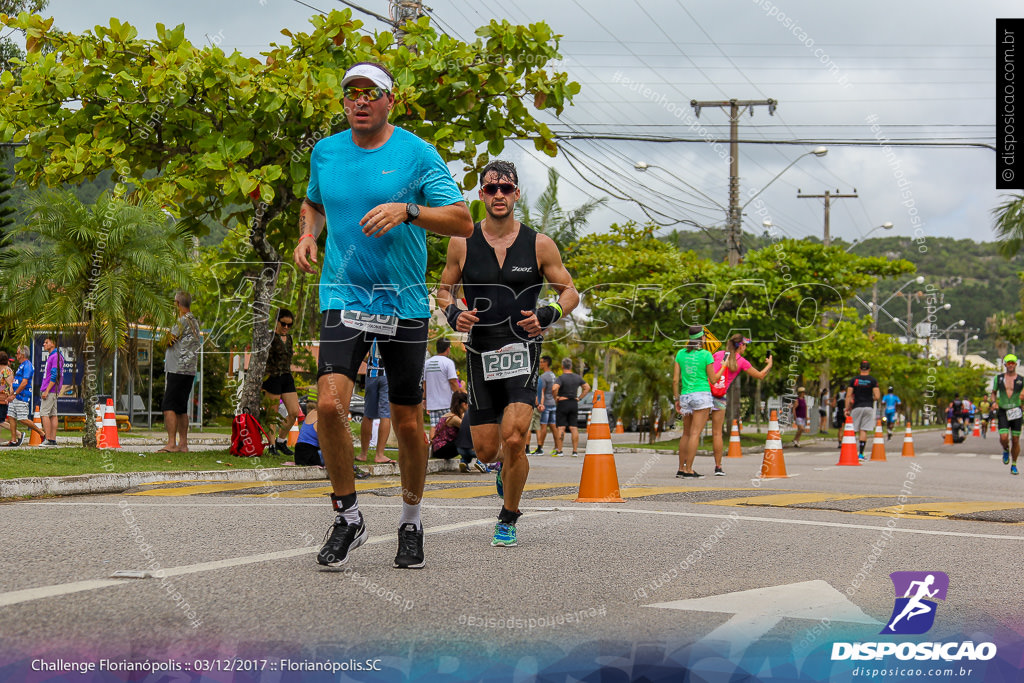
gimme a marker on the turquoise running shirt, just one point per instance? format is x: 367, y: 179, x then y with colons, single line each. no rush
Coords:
x: 379, y: 275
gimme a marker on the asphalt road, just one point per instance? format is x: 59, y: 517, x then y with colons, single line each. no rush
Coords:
x: 236, y: 573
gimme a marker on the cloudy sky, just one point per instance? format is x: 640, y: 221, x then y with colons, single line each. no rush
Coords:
x: 915, y: 71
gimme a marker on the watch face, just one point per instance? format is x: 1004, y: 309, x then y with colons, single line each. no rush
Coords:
x: 413, y: 211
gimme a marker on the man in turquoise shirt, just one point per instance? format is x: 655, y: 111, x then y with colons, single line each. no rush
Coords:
x: 379, y: 188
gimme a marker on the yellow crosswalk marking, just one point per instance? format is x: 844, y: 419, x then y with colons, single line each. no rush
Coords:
x: 319, y: 491
x: 641, y: 491
x: 940, y: 509
x: 784, y: 499
x: 482, y: 491
x: 218, y: 487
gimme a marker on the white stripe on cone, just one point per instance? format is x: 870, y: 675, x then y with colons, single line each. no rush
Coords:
x: 599, y: 415
x: 599, y: 447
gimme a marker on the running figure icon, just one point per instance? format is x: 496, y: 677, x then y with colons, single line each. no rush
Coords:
x: 915, y: 607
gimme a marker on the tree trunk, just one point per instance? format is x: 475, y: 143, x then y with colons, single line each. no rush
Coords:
x: 262, y: 334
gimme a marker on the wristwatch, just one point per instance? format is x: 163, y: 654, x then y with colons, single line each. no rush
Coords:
x: 412, y: 212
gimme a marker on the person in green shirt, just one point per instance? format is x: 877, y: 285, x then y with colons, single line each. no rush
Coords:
x: 1006, y: 394
x: 983, y: 411
x: 693, y: 373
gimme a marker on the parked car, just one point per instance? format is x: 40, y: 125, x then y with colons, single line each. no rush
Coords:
x: 356, y: 407
x: 587, y: 405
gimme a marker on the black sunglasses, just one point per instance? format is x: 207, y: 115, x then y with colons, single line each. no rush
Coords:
x: 492, y: 188
x: 283, y: 324
x: 372, y: 94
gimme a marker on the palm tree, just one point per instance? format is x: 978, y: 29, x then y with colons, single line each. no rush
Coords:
x: 564, y: 228
x: 1009, y: 225
x: 95, y: 271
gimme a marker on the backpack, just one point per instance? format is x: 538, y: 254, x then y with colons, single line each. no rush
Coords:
x: 243, y: 430
x: 719, y: 389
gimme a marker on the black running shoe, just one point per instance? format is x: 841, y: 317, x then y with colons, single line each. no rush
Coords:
x: 410, y: 547
x: 282, y: 448
x: 341, y: 539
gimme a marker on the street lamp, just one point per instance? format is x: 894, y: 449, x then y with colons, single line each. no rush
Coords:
x: 817, y: 151
x: 945, y: 332
x: 884, y: 226
x: 874, y: 306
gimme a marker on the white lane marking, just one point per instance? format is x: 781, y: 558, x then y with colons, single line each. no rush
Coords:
x: 583, y: 507
x: 965, y: 455
x: 29, y: 594
x: 14, y: 597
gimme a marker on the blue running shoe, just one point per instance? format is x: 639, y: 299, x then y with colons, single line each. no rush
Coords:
x: 1006, y: 457
x: 1013, y: 469
x: 498, y: 485
x: 504, y: 535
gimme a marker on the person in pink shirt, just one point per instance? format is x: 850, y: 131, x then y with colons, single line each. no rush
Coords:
x: 732, y: 357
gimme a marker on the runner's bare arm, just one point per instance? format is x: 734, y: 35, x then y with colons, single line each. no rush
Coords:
x: 453, y: 220
x: 759, y: 374
x: 311, y: 223
x: 551, y: 267
x: 451, y: 276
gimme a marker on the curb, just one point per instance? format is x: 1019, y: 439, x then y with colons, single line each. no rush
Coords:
x: 118, y: 482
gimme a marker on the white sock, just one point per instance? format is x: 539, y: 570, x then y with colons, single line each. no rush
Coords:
x: 351, y: 515
x: 410, y: 515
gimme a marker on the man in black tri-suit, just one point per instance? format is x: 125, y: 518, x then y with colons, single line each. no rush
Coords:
x: 502, y: 268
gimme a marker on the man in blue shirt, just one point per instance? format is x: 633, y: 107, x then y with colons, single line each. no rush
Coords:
x: 379, y: 188
x: 20, y: 401
x: 891, y: 400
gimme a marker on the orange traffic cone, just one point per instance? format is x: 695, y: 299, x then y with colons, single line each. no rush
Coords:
x: 100, y: 439
x: 599, y: 482
x: 948, y: 438
x: 110, y: 426
x: 619, y: 429
x: 992, y: 426
x: 34, y: 439
x: 878, y: 447
x: 977, y: 431
x: 734, y: 442
x: 774, y: 465
x: 908, y: 443
x: 293, y: 434
x: 848, y: 453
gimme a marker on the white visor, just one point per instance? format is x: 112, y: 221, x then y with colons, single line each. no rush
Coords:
x: 374, y: 73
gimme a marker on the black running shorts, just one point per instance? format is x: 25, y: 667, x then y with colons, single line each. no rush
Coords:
x: 567, y: 413
x: 488, y: 400
x: 279, y: 384
x: 342, y: 350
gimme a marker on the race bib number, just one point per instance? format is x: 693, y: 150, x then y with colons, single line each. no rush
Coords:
x: 1013, y: 413
x: 508, y: 361
x: 370, y: 322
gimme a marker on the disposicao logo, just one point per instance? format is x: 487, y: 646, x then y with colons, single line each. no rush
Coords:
x: 914, y: 613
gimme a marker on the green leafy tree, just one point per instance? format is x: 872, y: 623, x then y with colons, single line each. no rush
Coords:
x: 6, y: 204
x: 1009, y: 225
x: 548, y: 217
x: 97, y: 271
x: 10, y: 53
x: 227, y: 137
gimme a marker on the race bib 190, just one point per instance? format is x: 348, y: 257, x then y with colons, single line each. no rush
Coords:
x: 370, y: 322
x: 508, y: 361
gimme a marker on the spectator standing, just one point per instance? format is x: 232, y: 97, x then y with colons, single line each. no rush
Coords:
x: 440, y: 381
x: 693, y: 373
x: 280, y: 385
x: 6, y: 385
x: 20, y: 400
x: 49, y: 389
x: 799, y: 410
x: 566, y: 391
x: 731, y: 362
x: 377, y: 407
x: 823, y: 410
x: 180, y: 366
x: 545, y: 386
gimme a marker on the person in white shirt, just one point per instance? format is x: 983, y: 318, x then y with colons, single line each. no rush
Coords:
x: 440, y: 381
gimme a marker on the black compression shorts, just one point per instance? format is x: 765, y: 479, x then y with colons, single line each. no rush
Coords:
x: 488, y: 400
x: 342, y: 350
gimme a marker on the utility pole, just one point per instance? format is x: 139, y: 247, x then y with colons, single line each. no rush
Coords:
x: 828, y: 197
x: 736, y: 109
x: 402, y: 11
x: 826, y: 371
